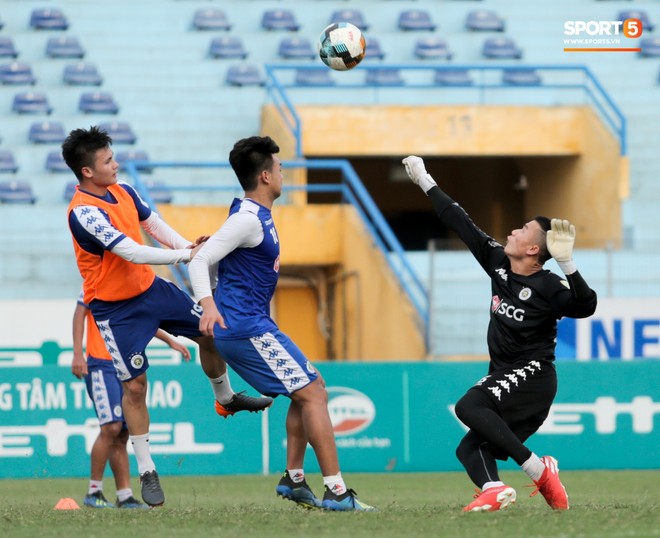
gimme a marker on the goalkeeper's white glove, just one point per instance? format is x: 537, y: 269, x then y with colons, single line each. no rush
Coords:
x: 560, y: 240
x: 416, y: 171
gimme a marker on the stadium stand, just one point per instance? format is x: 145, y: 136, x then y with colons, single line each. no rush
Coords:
x: 433, y: 48
x: 384, y: 77
x: 69, y: 190
x: 17, y: 73
x: 453, y: 77
x: 7, y: 48
x: 48, y: 19
x: 7, y: 162
x: 211, y: 19
x: 98, y: 102
x: 133, y: 155
x: 639, y: 14
x: 415, y: 19
x: 352, y: 16
x: 159, y: 191
x: 374, y: 50
x: 279, y: 19
x: 120, y: 131
x: 47, y: 132
x: 482, y: 20
x: 55, y: 163
x: 227, y: 47
x: 31, y: 103
x: 244, y: 75
x: 82, y: 74
x: 501, y: 48
x: 16, y: 192
x: 315, y: 77
x: 64, y: 47
x: 650, y: 47
x: 296, y: 48
x: 521, y: 77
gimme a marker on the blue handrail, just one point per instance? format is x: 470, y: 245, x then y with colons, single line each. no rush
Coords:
x: 280, y: 87
x: 352, y: 190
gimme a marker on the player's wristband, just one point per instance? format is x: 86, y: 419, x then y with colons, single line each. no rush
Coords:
x: 568, y: 268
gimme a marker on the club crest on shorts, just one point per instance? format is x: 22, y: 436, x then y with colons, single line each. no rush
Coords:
x: 117, y: 410
x: 137, y: 361
x: 309, y: 367
x: 524, y: 294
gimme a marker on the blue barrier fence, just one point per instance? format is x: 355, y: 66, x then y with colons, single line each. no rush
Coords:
x: 483, y: 84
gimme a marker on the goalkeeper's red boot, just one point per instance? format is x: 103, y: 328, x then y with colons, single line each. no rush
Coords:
x: 550, y: 486
x: 492, y: 499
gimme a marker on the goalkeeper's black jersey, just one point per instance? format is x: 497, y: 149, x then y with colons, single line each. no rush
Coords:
x: 523, y: 309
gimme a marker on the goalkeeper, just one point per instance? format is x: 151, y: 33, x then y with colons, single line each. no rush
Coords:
x: 506, y: 407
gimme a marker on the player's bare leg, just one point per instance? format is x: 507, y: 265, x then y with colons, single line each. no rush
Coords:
x: 102, y: 451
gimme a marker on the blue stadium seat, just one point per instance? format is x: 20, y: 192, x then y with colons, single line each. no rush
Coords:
x: 643, y: 16
x: 64, y: 47
x: 82, y: 74
x: 482, y: 20
x: 374, y: 50
x: 7, y: 49
x: 279, y: 19
x: 433, y: 48
x: 501, y: 48
x: 244, y: 75
x: 453, y: 77
x: 650, y: 47
x: 384, y: 77
x: 352, y: 16
x: 227, y: 47
x: 521, y: 77
x: 119, y: 131
x: 31, y: 103
x: 7, y: 162
x: 70, y: 190
x: 16, y: 192
x: 415, y: 19
x: 296, y: 48
x: 48, y: 19
x: 314, y: 77
x: 55, y: 162
x: 16, y: 73
x: 47, y: 132
x: 211, y: 19
x: 98, y: 102
x: 133, y: 155
x: 160, y: 193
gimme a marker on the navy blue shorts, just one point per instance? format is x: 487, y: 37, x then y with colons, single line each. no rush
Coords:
x: 271, y: 363
x: 128, y: 326
x: 104, y: 390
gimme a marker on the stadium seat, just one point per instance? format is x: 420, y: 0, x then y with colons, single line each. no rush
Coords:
x: 211, y: 19
x: 227, y: 47
x: 501, y: 48
x: 48, y: 19
x: 314, y: 77
x: 47, y: 132
x: 64, y: 47
x: 374, y: 50
x: 647, y: 25
x: 244, y: 75
x: 133, y: 155
x: 433, y: 48
x: 453, y: 77
x: 31, y: 103
x: 7, y: 162
x: 279, y: 19
x: 521, y: 77
x: 384, y: 77
x: 82, y: 74
x: 119, y: 131
x: 16, y: 73
x: 159, y: 192
x: 650, y: 47
x: 16, y: 192
x: 352, y: 16
x: 296, y: 48
x: 415, y: 19
x: 55, y: 162
x: 7, y: 49
x: 70, y: 190
x: 2, y: 24
x: 482, y: 20
x: 98, y: 102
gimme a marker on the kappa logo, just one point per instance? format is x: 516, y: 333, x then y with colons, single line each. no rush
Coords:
x: 350, y: 410
x: 502, y: 273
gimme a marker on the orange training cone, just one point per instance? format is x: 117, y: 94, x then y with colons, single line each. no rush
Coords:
x: 67, y: 503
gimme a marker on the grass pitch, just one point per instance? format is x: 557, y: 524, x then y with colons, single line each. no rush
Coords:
x: 603, y: 504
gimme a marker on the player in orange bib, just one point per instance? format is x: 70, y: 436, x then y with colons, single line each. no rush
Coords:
x: 128, y: 301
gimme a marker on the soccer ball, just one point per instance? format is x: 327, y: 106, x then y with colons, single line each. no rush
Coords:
x: 342, y: 46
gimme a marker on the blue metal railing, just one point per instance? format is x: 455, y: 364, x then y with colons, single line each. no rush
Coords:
x: 280, y: 80
x: 352, y: 191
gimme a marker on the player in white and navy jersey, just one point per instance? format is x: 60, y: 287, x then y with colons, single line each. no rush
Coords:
x: 246, y: 250
x: 510, y: 404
